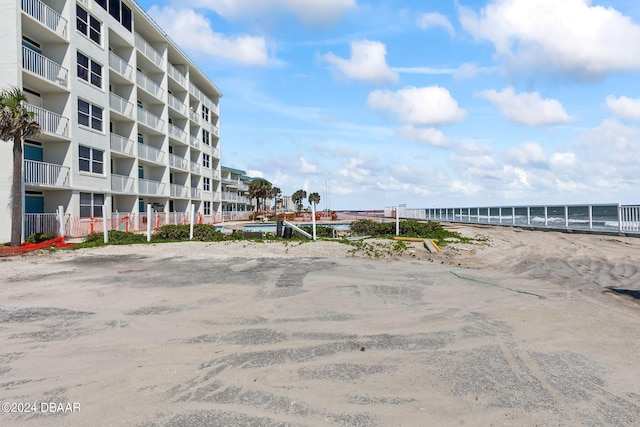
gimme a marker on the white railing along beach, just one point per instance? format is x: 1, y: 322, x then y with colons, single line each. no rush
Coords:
x: 609, y: 217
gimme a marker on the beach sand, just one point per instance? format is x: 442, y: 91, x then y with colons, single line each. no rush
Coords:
x: 523, y: 330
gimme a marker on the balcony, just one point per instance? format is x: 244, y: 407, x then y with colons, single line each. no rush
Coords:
x: 215, y: 130
x: 46, y: 16
x: 195, y: 142
x: 122, y: 145
x: 177, y: 105
x: 151, y: 188
x: 176, y: 75
x: 44, y: 67
x: 177, y: 162
x: 45, y: 174
x: 179, y: 191
x: 195, y: 168
x: 215, y: 152
x: 148, y: 51
x: 121, y: 105
x: 50, y: 122
x: 228, y: 196
x: 149, y: 85
x: 123, y: 184
x: 177, y: 133
x: 215, y: 174
x: 150, y: 120
x: 193, y: 115
x: 120, y: 66
x: 196, y: 193
x: 151, y: 154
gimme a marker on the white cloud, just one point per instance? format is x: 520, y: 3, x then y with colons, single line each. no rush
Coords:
x: 527, y: 109
x: 624, y: 107
x: 310, y: 12
x: 430, y: 20
x: 367, y: 62
x: 307, y: 167
x: 563, y: 160
x: 569, y: 37
x: 425, y: 135
x: 192, y: 30
x: 430, y: 106
x: 527, y: 153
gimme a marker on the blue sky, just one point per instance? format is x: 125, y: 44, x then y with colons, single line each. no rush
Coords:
x: 425, y: 102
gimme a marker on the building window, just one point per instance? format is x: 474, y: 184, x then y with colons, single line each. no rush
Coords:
x: 89, y: 70
x: 91, y: 159
x: 207, y: 208
x: 140, y: 139
x: 206, y: 184
x: 126, y: 18
x: 118, y: 10
x: 91, y: 205
x: 206, y: 160
x: 205, y: 136
x: 89, y: 115
x: 205, y: 113
x: 88, y: 25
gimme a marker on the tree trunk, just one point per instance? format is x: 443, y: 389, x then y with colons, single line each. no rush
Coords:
x: 16, y: 193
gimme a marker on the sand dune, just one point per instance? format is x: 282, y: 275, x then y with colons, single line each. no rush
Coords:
x: 521, y: 331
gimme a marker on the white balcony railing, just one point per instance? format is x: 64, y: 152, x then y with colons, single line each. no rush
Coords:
x: 149, y: 187
x: 177, y: 105
x: 195, y: 142
x: 195, y: 168
x: 50, y: 122
x: 215, y: 152
x: 121, y: 105
x: 195, y: 91
x: 41, y: 173
x: 215, y: 130
x: 215, y: 174
x: 122, y: 145
x: 123, y: 184
x: 150, y: 153
x: 148, y: 51
x: 177, y: 133
x: 179, y: 191
x: 120, y: 66
x: 196, y: 193
x: 193, y: 115
x: 46, y: 16
x: 150, y: 119
x: 177, y: 162
x: 149, y: 85
x: 176, y: 75
x: 44, y: 67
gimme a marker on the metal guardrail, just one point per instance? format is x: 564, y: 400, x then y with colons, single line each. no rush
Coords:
x: 594, y: 217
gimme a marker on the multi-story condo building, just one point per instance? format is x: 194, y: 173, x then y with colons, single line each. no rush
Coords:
x: 235, y: 193
x: 127, y: 118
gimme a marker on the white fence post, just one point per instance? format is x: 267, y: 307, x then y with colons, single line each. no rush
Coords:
x: 149, y: 219
x: 105, y: 227
x: 191, y: 219
x: 313, y: 219
x: 397, y: 219
x: 62, y: 230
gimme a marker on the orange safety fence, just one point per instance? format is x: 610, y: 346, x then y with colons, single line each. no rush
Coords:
x: 58, y: 242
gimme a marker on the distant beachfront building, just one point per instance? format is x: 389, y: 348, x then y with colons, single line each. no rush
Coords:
x: 235, y: 193
x: 127, y: 118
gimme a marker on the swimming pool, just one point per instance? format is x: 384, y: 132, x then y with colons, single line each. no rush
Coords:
x: 271, y: 228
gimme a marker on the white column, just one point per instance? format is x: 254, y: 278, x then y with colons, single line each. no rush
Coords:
x: 397, y: 219
x: 313, y: 219
x: 62, y: 230
x: 191, y: 220
x: 105, y: 227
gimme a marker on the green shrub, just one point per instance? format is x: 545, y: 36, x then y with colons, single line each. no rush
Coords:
x: 115, y: 238
x: 201, y: 232
x: 321, y: 230
x: 408, y: 228
x: 40, y: 237
x: 369, y: 227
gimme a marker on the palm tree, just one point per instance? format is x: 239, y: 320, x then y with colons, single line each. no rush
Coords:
x: 297, y: 199
x: 276, y: 194
x: 260, y: 189
x: 16, y: 123
x: 314, y: 198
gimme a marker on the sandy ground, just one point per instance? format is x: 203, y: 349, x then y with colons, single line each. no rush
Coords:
x: 521, y: 331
